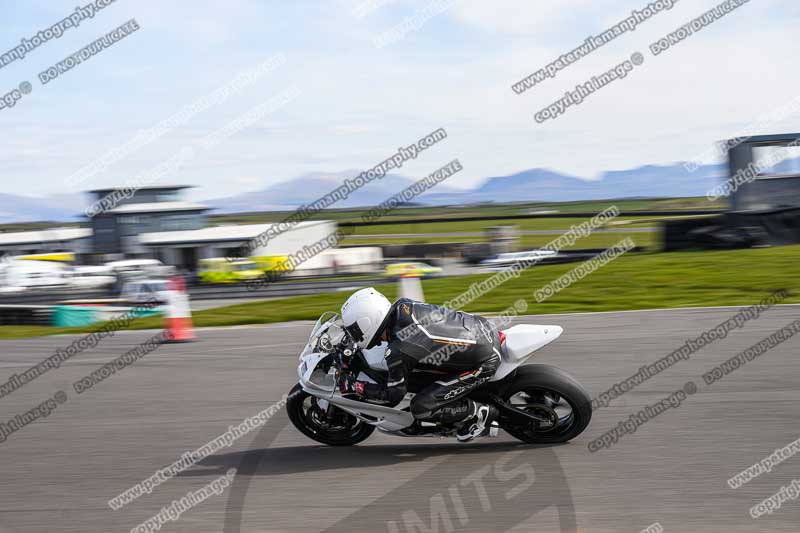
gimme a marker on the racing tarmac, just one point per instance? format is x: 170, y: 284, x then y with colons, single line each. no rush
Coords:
x: 58, y: 473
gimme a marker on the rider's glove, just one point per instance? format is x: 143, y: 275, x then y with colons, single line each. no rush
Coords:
x: 350, y: 387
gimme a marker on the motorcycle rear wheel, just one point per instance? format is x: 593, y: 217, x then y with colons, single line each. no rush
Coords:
x: 306, y: 416
x: 552, y: 394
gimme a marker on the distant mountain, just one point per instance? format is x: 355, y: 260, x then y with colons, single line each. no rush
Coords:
x: 648, y: 181
x: 58, y: 208
x: 542, y: 185
x: 535, y: 185
x: 655, y: 181
x: 310, y: 187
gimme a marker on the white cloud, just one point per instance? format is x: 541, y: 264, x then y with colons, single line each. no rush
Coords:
x: 525, y: 17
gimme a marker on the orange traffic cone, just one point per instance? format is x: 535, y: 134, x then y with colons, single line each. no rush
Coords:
x: 178, y: 316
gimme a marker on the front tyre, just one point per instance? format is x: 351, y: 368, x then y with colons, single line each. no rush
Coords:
x: 559, y: 402
x: 324, y: 423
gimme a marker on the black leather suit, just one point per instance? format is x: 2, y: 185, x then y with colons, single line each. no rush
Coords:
x: 465, y: 347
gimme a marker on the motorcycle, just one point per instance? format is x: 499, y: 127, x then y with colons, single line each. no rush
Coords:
x: 537, y: 404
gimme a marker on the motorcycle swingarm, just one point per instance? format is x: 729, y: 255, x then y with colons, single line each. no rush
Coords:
x: 516, y: 416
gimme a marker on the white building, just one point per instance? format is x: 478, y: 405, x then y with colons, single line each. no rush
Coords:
x: 152, y: 223
x: 76, y: 240
x: 182, y: 248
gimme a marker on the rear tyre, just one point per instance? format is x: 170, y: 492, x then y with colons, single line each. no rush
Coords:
x: 556, y: 398
x: 329, y: 425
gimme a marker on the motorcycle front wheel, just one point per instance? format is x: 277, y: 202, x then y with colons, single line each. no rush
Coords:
x: 559, y: 402
x: 324, y: 423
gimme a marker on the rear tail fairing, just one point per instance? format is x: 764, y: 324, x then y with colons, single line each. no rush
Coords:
x: 521, y: 342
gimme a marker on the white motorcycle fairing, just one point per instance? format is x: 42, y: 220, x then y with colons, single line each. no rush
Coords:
x: 323, y: 385
x: 521, y: 342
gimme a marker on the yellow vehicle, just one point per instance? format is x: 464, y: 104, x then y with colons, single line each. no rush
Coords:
x: 272, y: 263
x: 416, y: 269
x: 59, y: 257
x: 220, y: 270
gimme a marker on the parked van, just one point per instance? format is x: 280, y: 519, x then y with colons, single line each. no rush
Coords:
x: 19, y: 275
x: 146, y: 290
x: 131, y: 268
x: 91, y: 277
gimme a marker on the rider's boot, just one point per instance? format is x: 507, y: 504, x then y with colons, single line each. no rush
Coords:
x: 479, y: 422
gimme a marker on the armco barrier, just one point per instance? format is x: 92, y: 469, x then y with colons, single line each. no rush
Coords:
x: 71, y: 316
x: 26, y: 315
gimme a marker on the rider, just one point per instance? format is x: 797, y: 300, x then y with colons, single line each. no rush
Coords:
x: 465, y: 347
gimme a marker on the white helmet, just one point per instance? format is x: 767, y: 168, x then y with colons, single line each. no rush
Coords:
x: 363, y: 314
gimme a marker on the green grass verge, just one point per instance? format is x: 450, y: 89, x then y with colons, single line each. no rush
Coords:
x: 551, y: 224
x: 595, y: 240
x: 633, y: 281
x: 649, y: 240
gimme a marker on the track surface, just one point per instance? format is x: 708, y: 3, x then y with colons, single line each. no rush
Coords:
x: 58, y: 473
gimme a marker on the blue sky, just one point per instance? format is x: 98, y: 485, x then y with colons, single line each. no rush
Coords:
x: 358, y: 103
